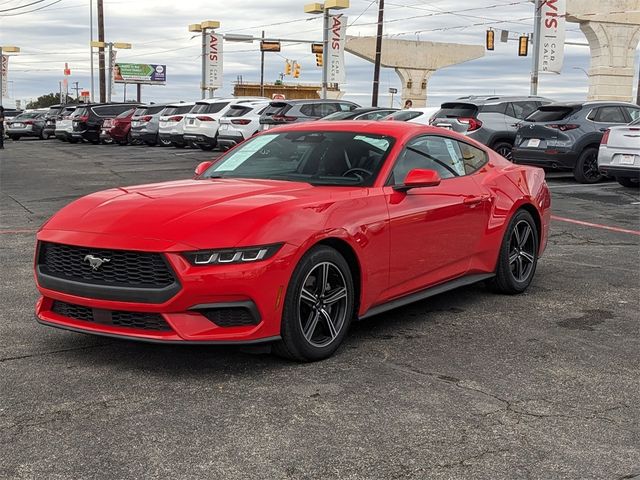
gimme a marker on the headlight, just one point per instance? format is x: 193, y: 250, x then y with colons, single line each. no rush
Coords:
x: 232, y: 255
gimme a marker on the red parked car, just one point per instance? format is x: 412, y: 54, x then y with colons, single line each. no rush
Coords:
x: 291, y: 235
x: 118, y: 129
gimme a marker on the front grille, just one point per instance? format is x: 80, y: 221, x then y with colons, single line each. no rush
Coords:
x: 124, y: 268
x: 115, y: 318
x: 231, y: 316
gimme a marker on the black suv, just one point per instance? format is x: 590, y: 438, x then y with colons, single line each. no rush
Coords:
x: 87, y: 120
x: 492, y: 120
x: 282, y: 112
x: 566, y: 136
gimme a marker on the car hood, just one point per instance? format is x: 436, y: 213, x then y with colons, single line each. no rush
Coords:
x: 208, y: 213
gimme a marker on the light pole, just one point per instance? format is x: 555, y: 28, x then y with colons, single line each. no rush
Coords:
x: 535, y: 62
x: 5, y: 49
x: 111, y: 46
x: 325, y: 9
x: 205, y: 28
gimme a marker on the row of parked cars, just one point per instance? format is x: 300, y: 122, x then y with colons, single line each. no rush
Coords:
x: 591, y: 139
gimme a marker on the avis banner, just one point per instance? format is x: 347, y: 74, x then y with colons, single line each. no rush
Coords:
x: 552, y: 35
x: 4, y: 68
x: 213, y: 77
x: 337, y: 38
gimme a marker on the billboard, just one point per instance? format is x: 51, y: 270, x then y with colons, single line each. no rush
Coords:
x: 552, y: 35
x: 140, y: 73
x: 213, y: 77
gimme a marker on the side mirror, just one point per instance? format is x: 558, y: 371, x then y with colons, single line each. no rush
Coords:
x: 202, y: 167
x: 418, y: 178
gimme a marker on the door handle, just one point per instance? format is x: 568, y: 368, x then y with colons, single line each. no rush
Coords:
x: 475, y: 200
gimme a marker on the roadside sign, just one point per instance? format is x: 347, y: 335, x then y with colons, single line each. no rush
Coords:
x: 147, y: 73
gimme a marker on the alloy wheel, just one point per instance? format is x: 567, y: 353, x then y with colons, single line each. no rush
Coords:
x: 522, y: 251
x: 590, y: 167
x: 322, y: 304
x: 505, y: 151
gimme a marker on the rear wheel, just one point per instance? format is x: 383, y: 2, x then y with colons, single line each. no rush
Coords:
x: 518, y: 255
x: 73, y: 140
x: 586, y: 169
x: 318, y: 306
x: 164, y: 142
x: 15, y: 138
x: 504, y: 149
x: 628, y: 182
x: 206, y: 148
x: 178, y: 145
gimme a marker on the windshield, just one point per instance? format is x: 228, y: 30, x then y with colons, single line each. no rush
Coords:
x: 339, y: 116
x: 25, y: 116
x: 209, y: 107
x: 404, y: 115
x: 549, y: 114
x: 319, y: 158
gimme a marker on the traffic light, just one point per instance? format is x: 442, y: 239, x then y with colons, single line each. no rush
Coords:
x: 491, y: 37
x: 296, y: 69
x: 523, y: 45
x: 318, y: 59
x: 287, y: 67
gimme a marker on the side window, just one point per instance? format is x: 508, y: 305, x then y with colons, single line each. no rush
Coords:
x: 634, y: 113
x: 346, y: 107
x: 433, y: 153
x: 522, y: 110
x: 473, y: 158
x: 324, y: 109
x: 102, y: 111
x: 307, y: 110
x: 610, y: 115
x: 495, y: 108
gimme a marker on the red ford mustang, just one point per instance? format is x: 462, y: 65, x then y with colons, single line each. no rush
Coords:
x: 290, y: 236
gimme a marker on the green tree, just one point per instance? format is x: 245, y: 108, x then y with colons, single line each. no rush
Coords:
x: 44, y: 101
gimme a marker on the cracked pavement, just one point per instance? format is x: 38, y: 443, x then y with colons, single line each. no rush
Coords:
x: 464, y: 385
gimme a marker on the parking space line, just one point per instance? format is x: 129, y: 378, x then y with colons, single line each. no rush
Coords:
x: 595, y: 225
x: 573, y: 185
x: 13, y: 232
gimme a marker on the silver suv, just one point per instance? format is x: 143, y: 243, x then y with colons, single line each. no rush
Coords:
x: 282, y: 112
x: 492, y: 120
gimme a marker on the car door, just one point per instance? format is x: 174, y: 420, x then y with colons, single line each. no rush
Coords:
x: 434, y: 231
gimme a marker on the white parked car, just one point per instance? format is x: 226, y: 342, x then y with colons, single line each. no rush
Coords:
x: 202, y: 122
x: 241, y: 121
x: 619, y: 154
x: 414, y: 115
x: 171, y: 127
x: 64, y: 123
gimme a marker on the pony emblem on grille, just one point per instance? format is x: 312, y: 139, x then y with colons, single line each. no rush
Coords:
x: 95, y: 262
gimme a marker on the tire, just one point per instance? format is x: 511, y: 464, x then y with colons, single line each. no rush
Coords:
x: 206, y: 148
x: 42, y: 135
x: 586, y: 169
x: 504, y: 149
x: 73, y: 140
x: 628, y: 182
x: 164, y: 142
x: 313, y: 309
x: 15, y: 138
x: 178, y: 145
x: 515, y: 271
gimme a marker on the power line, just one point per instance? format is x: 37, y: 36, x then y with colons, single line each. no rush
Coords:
x: 22, y: 6
x: 30, y: 11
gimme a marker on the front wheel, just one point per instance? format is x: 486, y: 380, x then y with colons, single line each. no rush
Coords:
x: 164, y: 142
x: 318, y: 306
x: 204, y: 147
x: 518, y: 256
x: 586, y: 169
x: 628, y: 182
x: 15, y: 138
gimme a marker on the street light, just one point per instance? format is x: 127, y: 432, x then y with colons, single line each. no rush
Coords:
x: 5, y: 49
x: 204, y: 27
x: 324, y: 9
x: 111, y: 46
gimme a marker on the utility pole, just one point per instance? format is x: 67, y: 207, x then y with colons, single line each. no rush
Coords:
x: 262, y: 69
x: 91, y: 47
x: 101, y: 63
x: 638, y: 92
x: 537, y: 19
x: 77, y: 89
x: 376, y: 67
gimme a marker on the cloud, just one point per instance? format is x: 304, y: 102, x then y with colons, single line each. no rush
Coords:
x: 158, y: 31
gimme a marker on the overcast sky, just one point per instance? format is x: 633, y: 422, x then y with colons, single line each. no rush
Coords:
x: 157, y: 29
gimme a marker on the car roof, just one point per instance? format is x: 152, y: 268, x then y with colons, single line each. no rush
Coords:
x: 230, y: 99
x: 180, y: 104
x: 385, y: 127
x: 483, y: 99
x: 310, y: 100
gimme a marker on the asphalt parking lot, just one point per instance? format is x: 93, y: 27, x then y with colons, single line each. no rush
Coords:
x: 468, y: 384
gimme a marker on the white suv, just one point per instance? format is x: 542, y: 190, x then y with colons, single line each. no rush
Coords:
x: 241, y: 121
x: 171, y: 126
x: 201, y: 124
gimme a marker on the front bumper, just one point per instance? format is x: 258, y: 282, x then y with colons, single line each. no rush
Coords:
x: 619, y: 171
x: 549, y: 158
x: 259, y: 287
